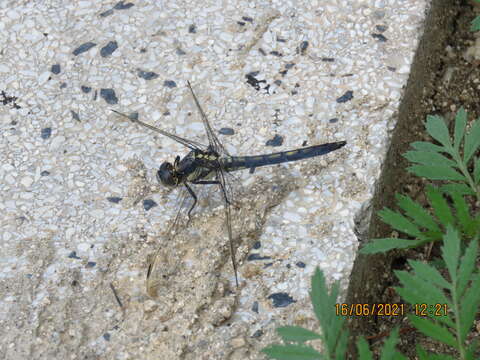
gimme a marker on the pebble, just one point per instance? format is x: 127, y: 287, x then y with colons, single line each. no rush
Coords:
x: 83, y: 48
x: 281, y: 299
x: 46, y: 133
x: 26, y: 181
x: 57, y: 142
x: 109, y: 96
x: 108, y: 49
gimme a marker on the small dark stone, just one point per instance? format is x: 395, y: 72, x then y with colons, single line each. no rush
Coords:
x: 283, y: 72
x: 166, y: 113
x: 281, y: 299
x: 95, y: 95
x: 261, y: 51
x: 73, y: 255
x: 147, y: 75
x: 226, y: 131
x: 276, y: 141
x: 143, y: 50
x: 266, y: 88
x: 328, y: 59
x: 85, y: 89
x: 75, y: 115
x: 192, y: 29
x: 255, y: 307
x: 170, y: 84
x: 257, y: 333
x: 305, y: 143
x: 6, y: 99
x: 180, y: 52
x: 148, y: 204
x: 45, y: 133
x: 288, y: 266
x: 83, y: 48
x: 278, y: 82
x: 109, y: 96
x: 63, y: 85
x: 345, y: 97
x: 241, y: 23
x: 333, y: 120
x: 247, y: 18
x: 253, y: 257
x: 276, y: 53
x: 45, y: 173
x: 55, y: 69
x: 106, y: 13
x: 302, y: 48
x: 91, y: 264
x: 257, y: 245
x: 267, y: 265
x: 106, y: 336
x: 391, y: 68
x: 114, y: 199
x: 289, y: 65
x: 122, y: 6
x: 300, y: 264
x: 281, y: 40
x: 381, y: 28
x: 251, y: 80
x: 379, y: 37
x: 108, y: 49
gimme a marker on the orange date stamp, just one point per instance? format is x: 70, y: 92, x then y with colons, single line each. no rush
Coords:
x: 374, y: 309
x: 387, y: 309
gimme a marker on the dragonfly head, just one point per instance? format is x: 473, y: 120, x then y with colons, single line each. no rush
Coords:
x: 166, y: 174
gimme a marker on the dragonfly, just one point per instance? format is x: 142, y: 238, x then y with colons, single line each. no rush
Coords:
x: 209, y: 165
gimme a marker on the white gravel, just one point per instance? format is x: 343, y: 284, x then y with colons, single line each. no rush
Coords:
x: 324, y: 70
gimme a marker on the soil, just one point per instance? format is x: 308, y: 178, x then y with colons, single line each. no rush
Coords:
x: 444, y: 77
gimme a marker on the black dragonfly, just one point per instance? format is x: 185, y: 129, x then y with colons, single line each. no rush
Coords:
x: 209, y: 165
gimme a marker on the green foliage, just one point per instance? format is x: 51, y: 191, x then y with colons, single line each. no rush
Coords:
x: 454, y: 161
x: 476, y: 22
x: 445, y: 307
x: 448, y: 219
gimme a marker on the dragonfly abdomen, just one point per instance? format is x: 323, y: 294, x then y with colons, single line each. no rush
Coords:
x: 234, y: 163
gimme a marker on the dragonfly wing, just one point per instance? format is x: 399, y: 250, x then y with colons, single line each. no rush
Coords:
x: 193, y: 145
x: 212, y: 138
x: 226, y: 190
x: 159, y: 265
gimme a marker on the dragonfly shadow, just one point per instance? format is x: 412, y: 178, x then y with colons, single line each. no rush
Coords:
x: 194, y: 261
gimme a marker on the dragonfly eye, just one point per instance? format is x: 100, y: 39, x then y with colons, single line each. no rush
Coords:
x: 165, y: 175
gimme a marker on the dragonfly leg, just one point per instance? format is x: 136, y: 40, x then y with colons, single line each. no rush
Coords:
x: 206, y: 182
x: 211, y: 182
x: 192, y: 194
